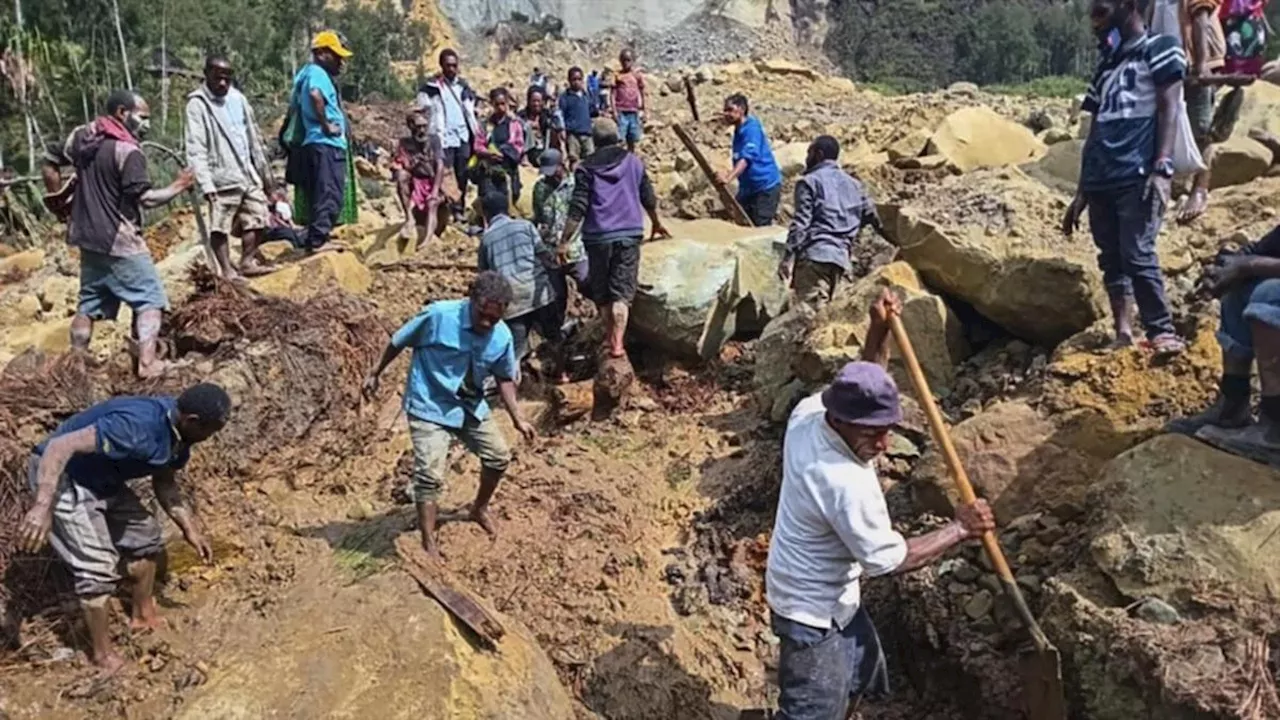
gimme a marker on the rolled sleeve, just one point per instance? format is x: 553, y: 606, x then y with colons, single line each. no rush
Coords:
x: 861, y: 518
x: 505, y: 367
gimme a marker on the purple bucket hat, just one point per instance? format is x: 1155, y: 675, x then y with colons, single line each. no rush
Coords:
x: 863, y: 394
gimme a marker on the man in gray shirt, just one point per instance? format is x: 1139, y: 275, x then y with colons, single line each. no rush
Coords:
x: 831, y: 207
x: 513, y: 248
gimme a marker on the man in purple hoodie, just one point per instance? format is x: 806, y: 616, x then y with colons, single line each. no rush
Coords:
x: 611, y: 196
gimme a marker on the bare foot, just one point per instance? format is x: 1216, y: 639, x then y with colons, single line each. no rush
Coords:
x: 152, y: 370
x: 433, y: 552
x: 1121, y: 341
x: 109, y: 663
x: 147, y: 624
x: 1194, y: 207
x: 481, y: 518
x: 253, y: 268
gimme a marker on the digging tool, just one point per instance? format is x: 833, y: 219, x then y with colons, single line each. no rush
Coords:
x: 730, y: 203
x: 1041, y: 669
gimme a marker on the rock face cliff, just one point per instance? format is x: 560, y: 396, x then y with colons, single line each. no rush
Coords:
x: 582, y: 18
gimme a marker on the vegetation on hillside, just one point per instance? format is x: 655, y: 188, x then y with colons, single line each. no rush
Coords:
x: 60, y: 58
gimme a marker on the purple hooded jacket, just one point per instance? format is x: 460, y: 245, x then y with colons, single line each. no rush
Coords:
x: 610, y: 196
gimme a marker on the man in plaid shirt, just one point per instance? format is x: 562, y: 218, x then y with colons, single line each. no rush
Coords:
x: 513, y: 248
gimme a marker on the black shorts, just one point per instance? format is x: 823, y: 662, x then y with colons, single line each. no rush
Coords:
x: 614, y: 270
x: 762, y: 207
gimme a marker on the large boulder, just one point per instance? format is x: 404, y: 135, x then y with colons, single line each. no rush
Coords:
x: 778, y: 66
x: 711, y: 281
x: 1259, y: 110
x: 392, y: 653
x: 1016, y: 458
x: 1237, y: 161
x: 791, y: 157
x: 306, y: 277
x: 977, y: 137
x: 1060, y: 167
x: 802, y: 350
x: 990, y: 238
x: 1182, y: 517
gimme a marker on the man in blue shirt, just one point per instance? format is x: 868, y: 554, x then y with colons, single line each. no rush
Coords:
x: 1127, y: 167
x: 577, y: 107
x: 759, y: 180
x: 85, y: 507
x: 322, y: 173
x: 457, y: 346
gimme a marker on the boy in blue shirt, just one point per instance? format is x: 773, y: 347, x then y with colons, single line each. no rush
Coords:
x: 322, y: 171
x: 457, y: 346
x: 1127, y: 169
x: 85, y: 507
x: 577, y: 107
x: 759, y: 180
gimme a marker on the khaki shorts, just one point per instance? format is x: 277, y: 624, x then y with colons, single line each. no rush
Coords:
x: 580, y: 146
x: 431, y: 443
x: 233, y: 212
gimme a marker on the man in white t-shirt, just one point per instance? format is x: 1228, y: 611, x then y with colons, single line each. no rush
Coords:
x: 833, y: 527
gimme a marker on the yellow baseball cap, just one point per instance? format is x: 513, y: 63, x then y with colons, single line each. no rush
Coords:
x: 330, y: 40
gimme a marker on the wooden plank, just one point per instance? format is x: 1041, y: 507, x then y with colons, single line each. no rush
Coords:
x: 435, y: 581
x: 692, y: 98
x: 736, y: 213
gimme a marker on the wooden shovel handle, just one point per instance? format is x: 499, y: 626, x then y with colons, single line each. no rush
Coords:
x: 967, y: 496
x: 943, y: 438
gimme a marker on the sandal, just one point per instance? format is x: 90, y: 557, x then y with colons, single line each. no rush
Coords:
x: 1166, y: 345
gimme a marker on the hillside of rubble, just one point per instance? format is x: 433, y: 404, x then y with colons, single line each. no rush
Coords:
x: 628, y: 571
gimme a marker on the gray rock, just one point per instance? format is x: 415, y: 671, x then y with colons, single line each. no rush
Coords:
x: 979, y: 606
x: 965, y: 573
x: 992, y: 583
x: 1156, y: 610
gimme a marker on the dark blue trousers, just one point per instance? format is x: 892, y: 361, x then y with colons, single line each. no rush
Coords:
x: 325, y: 184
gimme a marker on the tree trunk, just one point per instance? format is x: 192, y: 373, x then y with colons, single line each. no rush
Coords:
x: 124, y: 54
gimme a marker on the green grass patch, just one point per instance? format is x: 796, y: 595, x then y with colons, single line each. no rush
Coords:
x: 1053, y: 86
x: 364, y: 551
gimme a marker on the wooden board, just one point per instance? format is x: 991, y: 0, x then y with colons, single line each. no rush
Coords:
x: 437, y: 582
x: 736, y: 213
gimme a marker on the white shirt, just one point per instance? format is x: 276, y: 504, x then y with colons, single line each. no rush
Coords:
x: 231, y: 109
x: 451, y: 116
x: 832, y: 525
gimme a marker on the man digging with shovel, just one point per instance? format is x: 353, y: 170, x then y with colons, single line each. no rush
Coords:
x: 833, y: 527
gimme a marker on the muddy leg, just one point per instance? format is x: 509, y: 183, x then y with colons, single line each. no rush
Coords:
x: 97, y: 619
x: 144, y: 616
x: 489, y: 479
x: 428, y: 512
x: 618, y: 314
x: 250, y: 265
x: 146, y: 326
x: 81, y: 332
x: 222, y: 250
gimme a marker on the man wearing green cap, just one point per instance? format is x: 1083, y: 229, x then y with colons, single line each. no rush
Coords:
x: 319, y: 166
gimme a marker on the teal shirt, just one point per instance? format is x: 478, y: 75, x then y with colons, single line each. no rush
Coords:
x: 451, y: 363
x: 313, y: 77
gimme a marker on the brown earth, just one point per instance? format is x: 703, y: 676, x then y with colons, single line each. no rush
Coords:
x: 631, y: 549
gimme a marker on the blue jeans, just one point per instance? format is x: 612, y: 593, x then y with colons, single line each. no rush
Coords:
x: 325, y: 184
x: 1124, y: 226
x: 821, y: 671
x: 630, y: 129
x: 1256, y: 301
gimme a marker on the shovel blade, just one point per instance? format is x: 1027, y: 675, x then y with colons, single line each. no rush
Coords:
x: 1042, y: 684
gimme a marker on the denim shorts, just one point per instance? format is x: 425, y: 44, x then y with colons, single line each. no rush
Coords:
x: 821, y: 671
x: 630, y: 129
x: 106, y: 281
x: 1256, y: 301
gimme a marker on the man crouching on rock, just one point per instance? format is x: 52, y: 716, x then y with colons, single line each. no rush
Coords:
x: 833, y: 527
x: 80, y: 476
x: 457, y: 345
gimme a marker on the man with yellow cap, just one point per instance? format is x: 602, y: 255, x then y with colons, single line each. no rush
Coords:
x: 318, y: 157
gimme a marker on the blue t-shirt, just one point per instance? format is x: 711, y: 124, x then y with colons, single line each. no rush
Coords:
x: 577, y: 109
x: 451, y: 363
x: 310, y: 77
x: 1121, y: 147
x: 136, y: 437
x: 750, y: 144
